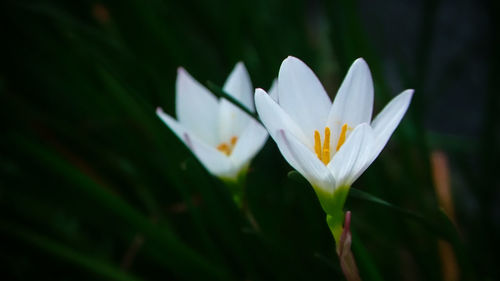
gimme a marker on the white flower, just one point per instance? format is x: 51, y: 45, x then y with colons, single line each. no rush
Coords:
x: 331, y: 145
x: 222, y: 136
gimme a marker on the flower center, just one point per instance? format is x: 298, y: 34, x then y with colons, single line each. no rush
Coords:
x: 323, y: 153
x: 227, y: 147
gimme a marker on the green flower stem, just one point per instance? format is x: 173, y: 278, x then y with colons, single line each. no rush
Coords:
x: 333, y: 205
x: 335, y: 224
x: 238, y: 191
x: 237, y: 188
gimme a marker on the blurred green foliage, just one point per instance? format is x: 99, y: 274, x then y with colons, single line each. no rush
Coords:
x: 94, y: 186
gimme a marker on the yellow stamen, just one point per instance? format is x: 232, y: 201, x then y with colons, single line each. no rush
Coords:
x: 224, y: 148
x: 233, y: 141
x: 322, y: 153
x: 227, y: 148
x: 317, y: 144
x: 326, y: 147
x: 342, y: 136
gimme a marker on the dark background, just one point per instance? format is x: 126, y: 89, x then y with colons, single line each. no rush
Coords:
x: 94, y: 186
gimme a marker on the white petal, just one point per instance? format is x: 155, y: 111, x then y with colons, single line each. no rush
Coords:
x: 386, y: 121
x: 365, y: 157
x: 212, y: 159
x: 302, y: 96
x: 305, y: 162
x: 197, y: 109
x: 173, y: 124
x: 347, y: 163
x: 273, y: 91
x: 232, y: 120
x: 353, y: 103
x: 239, y: 86
x: 249, y: 143
x: 275, y: 118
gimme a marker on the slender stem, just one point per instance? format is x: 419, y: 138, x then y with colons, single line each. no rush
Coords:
x: 333, y: 205
x: 335, y: 224
x: 238, y: 191
x: 237, y: 188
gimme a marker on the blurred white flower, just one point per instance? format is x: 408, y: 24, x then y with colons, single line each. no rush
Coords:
x: 331, y: 145
x: 222, y: 136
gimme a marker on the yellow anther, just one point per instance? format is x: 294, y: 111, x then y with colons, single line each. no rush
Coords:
x: 342, y: 136
x: 322, y: 153
x: 227, y: 148
x: 233, y: 141
x: 224, y: 148
x: 317, y: 144
x: 326, y: 147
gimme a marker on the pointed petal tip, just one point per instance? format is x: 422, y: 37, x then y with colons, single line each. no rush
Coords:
x: 360, y: 62
x: 259, y: 94
x: 291, y: 59
x: 260, y: 97
x: 183, y: 75
x: 159, y: 110
x: 405, y: 96
x: 239, y: 64
x: 408, y: 92
x: 259, y: 91
x: 180, y: 70
x: 239, y: 67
